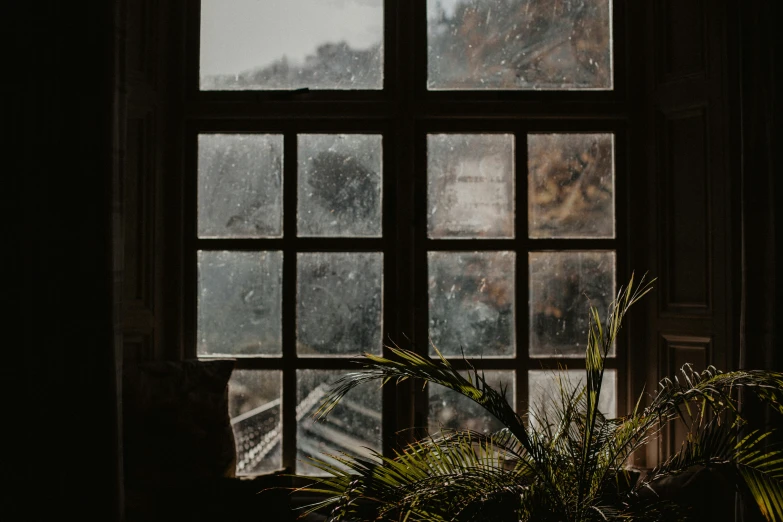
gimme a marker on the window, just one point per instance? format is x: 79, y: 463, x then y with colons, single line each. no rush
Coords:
x: 365, y: 172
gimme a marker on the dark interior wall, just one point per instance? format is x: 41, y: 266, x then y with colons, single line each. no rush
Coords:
x: 62, y: 457
x: 762, y: 186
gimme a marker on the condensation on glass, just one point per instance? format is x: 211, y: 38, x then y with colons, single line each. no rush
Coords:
x: 339, y: 303
x: 256, y: 417
x: 449, y: 410
x: 471, y: 303
x: 291, y: 44
x: 352, y: 427
x: 563, y: 286
x: 519, y: 44
x: 470, y: 186
x: 239, y: 303
x: 544, y: 391
x: 240, y: 185
x: 339, y: 185
x: 571, y: 185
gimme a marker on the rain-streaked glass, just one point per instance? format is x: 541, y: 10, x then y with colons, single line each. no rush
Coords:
x: 291, y: 44
x: 352, y: 427
x: 563, y: 286
x: 470, y: 185
x: 471, y: 303
x: 519, y: 44
x: 256, y: 415
x: 571, y: 185
x: 339, y: 303
x: 454, y: 411
x: 339, y: 185
x: 544, y: 390
x: 239, y: 303
x: 240, y: 185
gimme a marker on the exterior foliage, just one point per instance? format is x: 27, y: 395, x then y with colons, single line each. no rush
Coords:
x: 570, y: 462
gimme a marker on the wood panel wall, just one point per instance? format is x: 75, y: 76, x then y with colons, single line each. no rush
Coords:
x: 692, y: 190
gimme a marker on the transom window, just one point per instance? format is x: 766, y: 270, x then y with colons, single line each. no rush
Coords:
x: 444, y: 174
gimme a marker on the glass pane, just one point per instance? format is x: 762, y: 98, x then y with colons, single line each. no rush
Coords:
x: 451, y: 410
x: 339, y: 303
x: 519, y: 44
x: 544, y: 389
x: 239, y: 303
x: 352, y: 427
x: 563, y: 285
x: 316, y: 44
x: 254, y: 407
x: 339, y: 185
x: 240, y: 185
x: 571, y: 185
x: 470, y: 185
x: 471, y: 297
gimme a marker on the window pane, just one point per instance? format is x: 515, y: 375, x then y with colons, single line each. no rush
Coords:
x: 352, y: 427
x: 240, y: 185
x: 451, y: 410
x: 339, y: 185
x: 471, y: 298
x: 316, y: 44
x: 544, y: 388
x: 339, y: 303
x: 519, y: 44
x: 239, y: 303
x: 470, y: 185
x: 571, y: 185
x: 563, y: 285
x: 254, y: 407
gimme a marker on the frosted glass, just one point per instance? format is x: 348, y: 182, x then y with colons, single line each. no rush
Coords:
x: 291, y: 44
x: 563, y: 285
x: 339, y: 303
x: 519, y: 44
x: 239, y: 303
x: 570, y: 185
x: 240, y: 185
x: 471, y: 303
x: 451, y: 410
x: 339, y: 185
x: 255, y: 412
x: 544, y: 388
x: 470, y: 185
x: 352, y: 427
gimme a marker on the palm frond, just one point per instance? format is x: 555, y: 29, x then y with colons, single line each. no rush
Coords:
x: 569, y: 462
x: 410, y: 365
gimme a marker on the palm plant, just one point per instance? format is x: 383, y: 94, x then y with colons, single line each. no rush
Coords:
x: 561, y: 461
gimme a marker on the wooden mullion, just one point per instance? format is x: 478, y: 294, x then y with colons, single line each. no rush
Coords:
x: 521, y: 303
x: 288, y: 245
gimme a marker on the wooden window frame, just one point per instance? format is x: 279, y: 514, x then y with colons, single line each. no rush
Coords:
x: 404, y: 112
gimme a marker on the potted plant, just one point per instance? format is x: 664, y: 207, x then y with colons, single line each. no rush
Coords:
x: 570, y: 463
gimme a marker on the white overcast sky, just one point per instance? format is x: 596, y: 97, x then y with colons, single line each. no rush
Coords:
x: 237, y: 35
